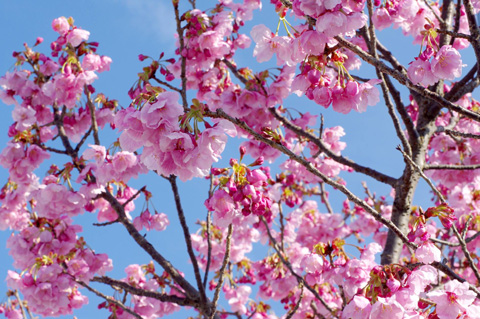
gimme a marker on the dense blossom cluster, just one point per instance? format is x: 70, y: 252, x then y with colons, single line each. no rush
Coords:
x: 322, y: 262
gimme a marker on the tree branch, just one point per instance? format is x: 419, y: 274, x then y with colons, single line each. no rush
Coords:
x: 109, y: 299
x: 142, y: 292
x: 226, y: 258
x: 338, y: 158
x: 309, y: 167
x: 186, y: 234
x: 287, y: 264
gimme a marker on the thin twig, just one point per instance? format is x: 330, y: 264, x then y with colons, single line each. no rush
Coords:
x: 297, y: 305
x: 93, y: 116
x: 20, y: 303
x: 470, y: 260
x: 450, y: 273
x: 168, y: 85
x: 447, y: 166
x: 338, y: 158
x: 84, y: 139
x: 419, y: 170
x: 183, y: 60
x: 282, y: 227
x: 142, y: 292
x: 209, y: 239
x: 110, y: 299
x: 461, y: 134
x: 186, y: 233
x: 287, y: 264
x: 106, y: 223
x: 325, y: 200
x: 134, y: 196
x: 403, y: 79
x: 226, y: 259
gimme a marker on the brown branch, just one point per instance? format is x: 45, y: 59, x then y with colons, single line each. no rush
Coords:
x: 58, y: 120
x: 455, y: 34
x: 226, y: 258
x: 338, y: 158
x: 287, y: 264
x: 235, y: 72
x: 455, y: 167
x: 21, y: 304
x: 460, y: 134
x: 450, y: 273
x: 407, y: 120
x: 109, y: 299
x: 467, y: 254
x: 168, y: 85
x: 420, y: 171
x: 93, y: 116
x: 209, y: 239
x: 297, y: 305
x: 325, y: 200
x: 53, y: 150
x: 84, y: 139
x: 183, y: 65
x: 190, y: 291
x: 474, y: 32
x: 134, y: 196
x: 186, y: 233
x: 142, y: 292
x: 433, y: 96
x: 309, y: 167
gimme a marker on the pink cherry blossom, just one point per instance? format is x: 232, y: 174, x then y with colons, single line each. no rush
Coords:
x: 428, y: 253
x: 61, y: 25
x: 447, y: 63
x: 77, y: 36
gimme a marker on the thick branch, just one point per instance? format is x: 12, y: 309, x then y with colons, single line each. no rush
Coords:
x: 455, y: 167
x: 190, y: 291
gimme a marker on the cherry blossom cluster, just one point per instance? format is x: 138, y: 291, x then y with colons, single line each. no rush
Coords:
x: 241, y: 191
x: 169, y: 146
x: 445, y: 64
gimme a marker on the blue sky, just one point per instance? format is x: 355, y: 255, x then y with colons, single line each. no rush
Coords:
x: 128, y: 28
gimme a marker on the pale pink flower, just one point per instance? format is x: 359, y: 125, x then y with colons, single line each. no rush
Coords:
x: 312, y: 263
x: 387, y: 308
x: 453, y: 299
x: 267, y: 44
x: 91, y: 62
x: 165, y: 109
x: 24, y: 115
x: 77, y: 36
x: 420, y: 71
x: 49, y: 67
x: 61, y: 25
x: 381, y: 18
x: 447, y: 63
x: 358, y: 308
x: 105, y: 64
x: 238, y: 297
x: 428, y: 253
x: 95, y: 152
